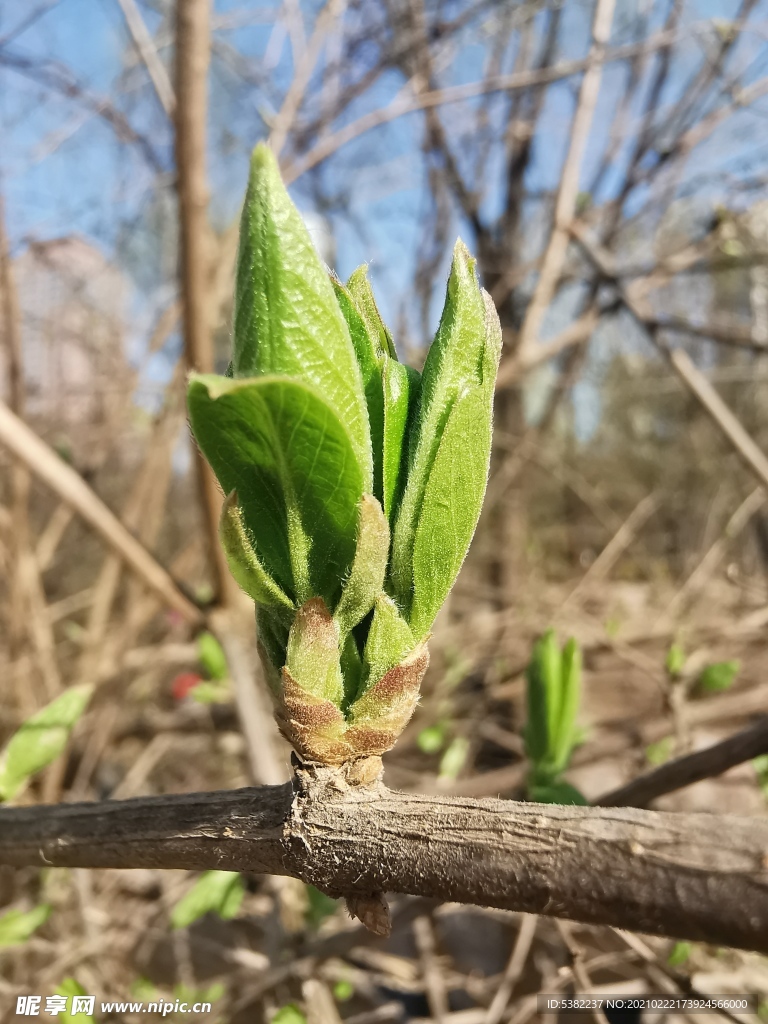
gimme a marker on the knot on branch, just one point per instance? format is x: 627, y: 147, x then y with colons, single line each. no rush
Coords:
x: 317, y: 788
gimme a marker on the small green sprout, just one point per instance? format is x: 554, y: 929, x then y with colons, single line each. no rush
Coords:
x: 353, y: 483
x: 553, y: 696
x: 40, y: 740
x: 217, y: 892
x: 718, y: 676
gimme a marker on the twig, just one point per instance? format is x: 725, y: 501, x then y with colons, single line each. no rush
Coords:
x: 697, y: 876
x: 405, y: 103
x: 26, y: 446
x: 300, y: 81
x: 28, y: 609
x: 145, y: 46
x: 696, y: 382
x: 321, y: 1006
x: 515, y: 967
x: 721, y: 414
x: 192, y: 61
x: 613, y: 550
x: 568, y: 188
x: 698, y: 578
x: 685, y: 771
x: 434, y: 983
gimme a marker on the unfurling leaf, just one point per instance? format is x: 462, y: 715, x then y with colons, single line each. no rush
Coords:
x: 16, y: 926
x: 553, y: 696
x: 360, y: 289
x: 390, y: 388
x: 719, y: 676
x: 454, y: 410
x: 282, y: 448
x: 286, y: 317
x: 313, y: 658
x: 401, y: 389
x: 389, y: 641
x: 212, y: 657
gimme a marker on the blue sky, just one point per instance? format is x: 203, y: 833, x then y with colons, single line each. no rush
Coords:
x: 63, y: 172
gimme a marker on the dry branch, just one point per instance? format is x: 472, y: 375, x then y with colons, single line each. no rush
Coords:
x: 695, y: 876
x: 685, y: 771
x: 27, y: 447
x: 193, y: 51
x: 568, y: 188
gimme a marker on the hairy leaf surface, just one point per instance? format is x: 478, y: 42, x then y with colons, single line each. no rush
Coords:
x: 287, y: 320
x: 460, y: 371
x: 282, y: 448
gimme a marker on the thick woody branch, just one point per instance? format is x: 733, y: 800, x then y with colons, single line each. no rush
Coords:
x: 695, y: 876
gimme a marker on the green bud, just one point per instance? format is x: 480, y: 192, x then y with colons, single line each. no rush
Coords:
x: 450, y: 448
x: 570, y: 701
x: 360, y: 289
x: 354, y: 485
x: 286, y: 318
x: 389, y: 641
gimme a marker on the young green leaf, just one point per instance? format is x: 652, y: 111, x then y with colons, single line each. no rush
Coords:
x: 218, y: 892
x: 212, y: 657
x: 401, y: 388
x: 570, y: 699
x: 675, y: 661
x: 544, y: 700
x: 71, y: 987
x: 243, y: 560
x: 453, y: 498
x: 289, y: 1014
x: 16, y: 926
x: 454, y: 758
x: 366, y: 578
x: 41, y: 739
x: 679, y: 954
x: 460, y: 367
x: 360, y: 289
x: 282, y: 448
x: 390, y: 388
x: 719, y: 676
x: 286, y: 318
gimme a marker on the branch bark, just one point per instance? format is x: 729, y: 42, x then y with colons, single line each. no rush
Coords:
x: 696, y: 876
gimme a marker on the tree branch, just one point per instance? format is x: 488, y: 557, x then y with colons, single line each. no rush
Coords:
x: 24, y: 445
x: 192, y: 61
x: 685, y: 771
x: 695, y: 876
